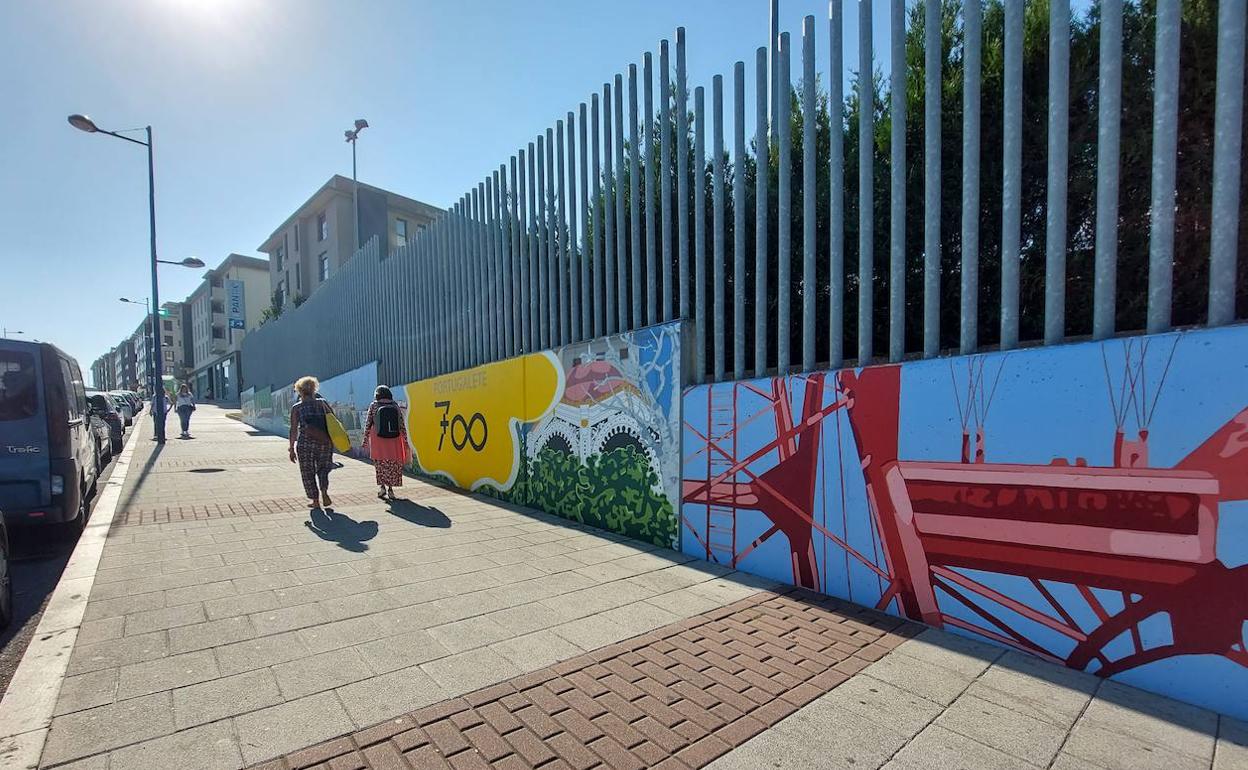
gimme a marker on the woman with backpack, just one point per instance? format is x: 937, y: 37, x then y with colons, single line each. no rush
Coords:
x: 385, y: 438
x: 310, y: 444
x: 185, y: 405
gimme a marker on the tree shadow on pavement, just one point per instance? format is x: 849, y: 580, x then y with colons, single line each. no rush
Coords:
x: 414, y: 513
x: 340, y: 528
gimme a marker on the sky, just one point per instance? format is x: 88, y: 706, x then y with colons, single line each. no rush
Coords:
x: 248, y: 101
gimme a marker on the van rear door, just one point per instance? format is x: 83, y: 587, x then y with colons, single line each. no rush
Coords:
x: 24, y: 470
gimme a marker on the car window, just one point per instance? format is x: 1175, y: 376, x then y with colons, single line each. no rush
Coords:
x: 19, y: 396
x: 98, y: 401
x: 71, y: 395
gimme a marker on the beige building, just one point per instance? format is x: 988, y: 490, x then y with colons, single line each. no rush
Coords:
x: 319, y: 238
x: 228, y: 304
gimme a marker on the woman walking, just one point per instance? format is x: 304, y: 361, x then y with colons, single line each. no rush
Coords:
x: 184, y: 406
x: 310, y: 444
x: 385, y: 438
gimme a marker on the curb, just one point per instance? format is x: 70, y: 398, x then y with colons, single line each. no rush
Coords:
x: 26, y: 711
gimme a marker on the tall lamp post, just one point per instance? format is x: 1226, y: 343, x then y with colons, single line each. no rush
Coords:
x: 352, y: 135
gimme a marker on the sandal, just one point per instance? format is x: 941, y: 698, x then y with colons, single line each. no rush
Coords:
x: 381, y: 493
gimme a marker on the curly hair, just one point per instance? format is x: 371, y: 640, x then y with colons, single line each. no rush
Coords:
x: 307, y: 386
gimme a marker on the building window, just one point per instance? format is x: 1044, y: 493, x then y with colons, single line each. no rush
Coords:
x: 218, y: 306
x: 168, y: 326
x: 218, y: 333
x: 281, y: 293
x: 168, y: 340
x: 322, y: 227
x: 279, y: 256
x: 298, y: 279
x: 324, y: 266
x: 296, y: 236
x: 420, y: 228
x: 217, y: 282
x: 400, y: 232
x: 169, y: 356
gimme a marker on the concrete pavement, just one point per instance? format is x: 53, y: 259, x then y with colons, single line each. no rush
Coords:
x: 228, y: 627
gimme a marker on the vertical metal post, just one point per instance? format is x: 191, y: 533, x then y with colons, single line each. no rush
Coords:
x: 1059, y: 152
x: 517, y: 278
x: 480, y: 322
x: 608, y: 208
x: 486, y: 275
x: 157, y: 355
x: 634, y: 203
x: 897, y: 186
x: 1228, y: 134
x: 561, y: 241
x: 1108, y: 124
x: 621, y: 228
x: 810, y: 111
x: 971, y: 75
x: 522, y: 235
x: 738, y: 222
x: 543, y: 250
x: 933, y: 57
x: 665, y: 176
x: 717, y: 226
x: 574, y: 255
x: 682, y: 174
x: 699, y: 235
x: 533, y: 256
x: 652, y: 278
x: 597, y: 223
x: 586, y: 251
x: 784, y: 213
x: 1012, y: 172
x: 762, y: 147
x: 836, y: 185
x: 866, y: 194
x: 503, y: 264
x: 1165, y: 152
x: 550, y: 223
x: 773, y: 43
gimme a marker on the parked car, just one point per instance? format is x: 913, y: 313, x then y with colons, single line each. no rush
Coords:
x: 6, y: 578
x: 49, y: 461
x: 125, y: 407
x: 103, y: 408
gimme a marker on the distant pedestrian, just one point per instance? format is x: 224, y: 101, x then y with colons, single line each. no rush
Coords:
x: 385, y: 438
x: 310, y: 444
x: 184, y: 405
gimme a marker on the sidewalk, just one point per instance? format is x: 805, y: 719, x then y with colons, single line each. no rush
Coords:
x: 228, y: 628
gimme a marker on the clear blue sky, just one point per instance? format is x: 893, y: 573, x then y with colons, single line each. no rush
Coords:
x: 249, y: 101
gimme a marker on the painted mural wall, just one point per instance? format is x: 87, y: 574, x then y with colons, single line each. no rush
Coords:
x: 1084, y: 503
x: 349, y: 394
x: 589, y: 431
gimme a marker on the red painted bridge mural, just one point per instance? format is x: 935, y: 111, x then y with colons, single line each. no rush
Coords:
x: 1106, y: 568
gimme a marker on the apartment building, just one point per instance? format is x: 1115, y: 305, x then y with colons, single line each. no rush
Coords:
x: 103, y: 371
x: 319, y: 237
x: 227, y: 304
x: 124, y: 369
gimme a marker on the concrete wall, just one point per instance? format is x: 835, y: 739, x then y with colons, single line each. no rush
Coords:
x: 1084, y: 503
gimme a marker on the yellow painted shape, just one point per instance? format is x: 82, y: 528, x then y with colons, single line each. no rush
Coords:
x: 465, y: 426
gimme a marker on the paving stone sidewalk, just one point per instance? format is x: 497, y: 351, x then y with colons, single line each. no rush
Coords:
x: 228, y: 627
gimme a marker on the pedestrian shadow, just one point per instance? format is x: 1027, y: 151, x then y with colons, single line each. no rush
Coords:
x: 339, y: 528
x: 415, y: 513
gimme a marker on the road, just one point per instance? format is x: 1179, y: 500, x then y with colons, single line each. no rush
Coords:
x: 38, y: 558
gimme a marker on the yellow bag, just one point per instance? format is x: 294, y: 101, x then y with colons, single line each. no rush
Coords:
x: 337, y: 433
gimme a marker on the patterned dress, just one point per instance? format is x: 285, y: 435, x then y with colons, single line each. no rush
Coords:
x: 316, y: 457
x: 389, y: 455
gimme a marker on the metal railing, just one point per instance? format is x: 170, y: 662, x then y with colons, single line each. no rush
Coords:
x: 594, y: 227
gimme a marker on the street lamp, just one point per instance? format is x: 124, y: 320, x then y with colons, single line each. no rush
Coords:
x: 84, y: 123
x: 352, y: 135
x: 5, y: 331
x: 148, y: 336
x: 195, y: 262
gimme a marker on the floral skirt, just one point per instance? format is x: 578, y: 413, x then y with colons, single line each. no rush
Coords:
x: 389, y: 473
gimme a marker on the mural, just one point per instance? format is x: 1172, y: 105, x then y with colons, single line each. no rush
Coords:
x: 589, y: 431
x: 1083, y: 503
x: 247, y: 405
x: 349, y: 394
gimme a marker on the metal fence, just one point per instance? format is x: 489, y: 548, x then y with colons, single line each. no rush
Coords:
x: 602, y: 222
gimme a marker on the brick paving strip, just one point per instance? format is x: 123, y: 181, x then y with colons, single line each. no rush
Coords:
x: 173, y: 514
x: 677, y: 697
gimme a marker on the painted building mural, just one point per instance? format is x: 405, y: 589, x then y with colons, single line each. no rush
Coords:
x: 589, y: 431
x: 349, y: 394
x: 1085, y: 504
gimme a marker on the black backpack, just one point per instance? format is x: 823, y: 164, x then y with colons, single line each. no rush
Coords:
x: 388, y: 421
